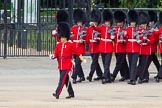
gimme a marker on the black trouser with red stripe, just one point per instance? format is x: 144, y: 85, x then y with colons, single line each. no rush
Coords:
x: 121, y: 65
x: 155, y: 60
x: 141, y: 68
x: 64, y: 79
x: 78, y: 68
x: 133, y: 58
x: 106, y: 60
x: 95, y: 66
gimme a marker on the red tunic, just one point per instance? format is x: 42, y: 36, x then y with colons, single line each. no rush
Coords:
x: 63, y: 53
x: 132, y: 45
x: 159, y: 33
x: 93, y: 44
x: 106, y: 44
x: 80, y: 47
x: 145, y: 49
x: 118, y: 46
x: 155, y: 43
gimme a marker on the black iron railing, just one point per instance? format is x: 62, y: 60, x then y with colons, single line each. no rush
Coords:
x: 26, y: 25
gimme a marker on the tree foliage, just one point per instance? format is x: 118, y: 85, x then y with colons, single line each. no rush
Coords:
x: 130, y: 3
x: 140, y: 3
x: 105, y: 3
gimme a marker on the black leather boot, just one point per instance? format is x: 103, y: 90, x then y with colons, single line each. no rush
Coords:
x: 56, y: 95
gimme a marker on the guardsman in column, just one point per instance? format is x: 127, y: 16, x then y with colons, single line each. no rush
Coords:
x: 61, y: 16
x: 106, y: 43
x: 159, y: 75
x: 152, y: 57
x: 79, y: 34
x: 63, y: 52
x: 120, y: 47
x: 145, y: 45
x: 133, y: 46
x: 93, y: 41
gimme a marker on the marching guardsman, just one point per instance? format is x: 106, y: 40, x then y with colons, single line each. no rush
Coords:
x: 78, y: 39
x: 133, y: 46
x: 145, y: 45
x: 106, y: 43
x: 93, y: 41
x: 61, y: 16
x: 159, y: 75
x: 63, y: 52
x: 152, y: 57
x: 120, y: 47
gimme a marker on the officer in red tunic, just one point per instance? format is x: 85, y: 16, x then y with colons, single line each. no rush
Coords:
x: 133, y: 47
x: 79, y: 34
x: 159, y: 75
x: 63, y: 52
x: 120, y: 47
x: 61, y: 16
x: 106, y: 43
x: 152, y: 57
x: 145, y: 45
x: 93, y: 40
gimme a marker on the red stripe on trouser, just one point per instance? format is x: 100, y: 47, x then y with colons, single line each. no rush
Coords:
x: 63, y: 81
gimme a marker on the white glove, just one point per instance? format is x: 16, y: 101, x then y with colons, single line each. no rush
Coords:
x: 144, y: 37
x: 112, y: 37
x: 144, y: 44
x: 84, y: 61
x: 92, y: 24
x: 138, y: 41
x: 81, y: 41
x: 54, y: 32
x: 51, y: 56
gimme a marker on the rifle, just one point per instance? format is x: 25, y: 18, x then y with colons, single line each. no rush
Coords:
x: 152, y: 26
x: 96, y: 34
x: 82, y: 33
x: 111, y: 32
x: 146, y: 33
x: 136, y: 34
x: 120, y: 34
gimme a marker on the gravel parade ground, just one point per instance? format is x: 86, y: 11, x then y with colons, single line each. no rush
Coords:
x: 28, y: 82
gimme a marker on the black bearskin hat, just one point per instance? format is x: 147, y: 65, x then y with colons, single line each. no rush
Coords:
x: 95, y: 16
x: 64, y: 30
x: 143, y: 18
x: 153, y: 16
x: 62, y: 16
x: 132, y: 16
x: 160, y: 17
x: 107, y: 15
x: 79, y: 15
x: 119, y: 16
